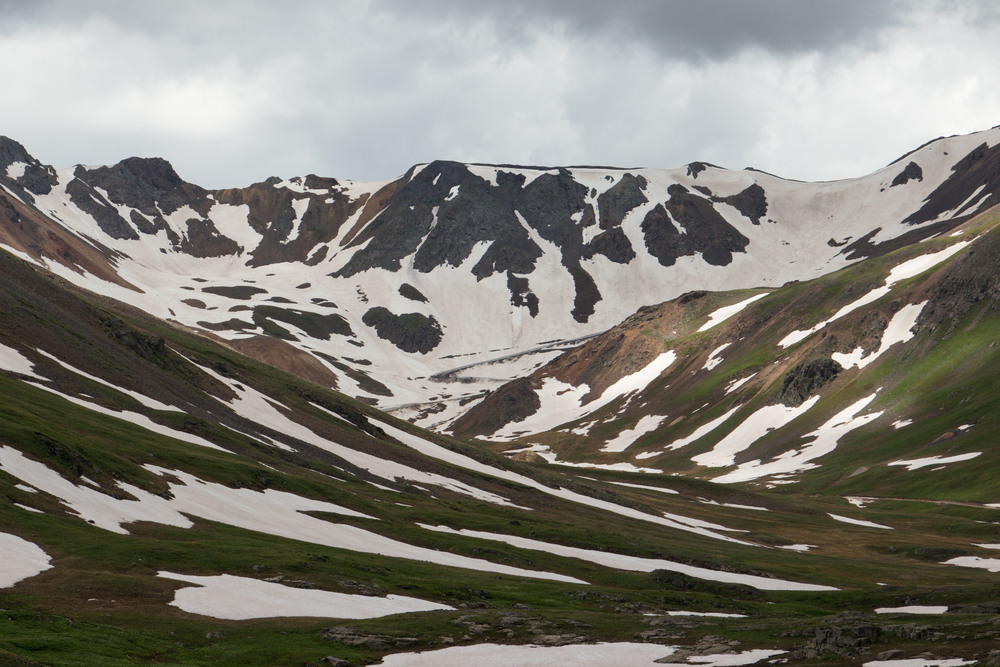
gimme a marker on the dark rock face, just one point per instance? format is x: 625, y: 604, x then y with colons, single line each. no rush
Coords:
x: 410, y: 332
x: 803, y: 381
x: 513, y: 402
x: 706, y: 231
x: 444, y: 211
x: 146, y: 184
x: 980, y: 167
x: 971, y: 278
x: 751, y: 203
x: 912, y: 172
x: 242, y: 292
x: 37, y: 178
x: 615, y: 203
x: 107, y: 217
x: 613, y: 244
x: 521, y: 294
x: 696, y: 168
x: 662, y: 238
x: 204, y: 240
x: 410, y: 292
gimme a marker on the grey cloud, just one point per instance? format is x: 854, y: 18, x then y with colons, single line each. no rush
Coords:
x: 706, y: 29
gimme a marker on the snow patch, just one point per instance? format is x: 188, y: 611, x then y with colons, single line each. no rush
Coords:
x: 857, y: 522
x: 562, y: 402
x: 714, y: 359
x: 20, y: 559
x: 907, y: 269
x: 15, y: 170
x: 824, y: 440
x: 241, y: 598
x: 15, y: 362
x: 991, y: 564
x: 635, y: 563
x: 898, y: 331
x: 913, y: 609
x: 722, y: 314
x: 920, y: 662
x: 753, y: 428
x: 916, y: 464
x: 627, y: 438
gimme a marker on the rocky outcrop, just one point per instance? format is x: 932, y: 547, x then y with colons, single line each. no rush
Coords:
x: 805, y: 380
x: 706, y: 232
x: 410, y: 332
x: 911, y: 172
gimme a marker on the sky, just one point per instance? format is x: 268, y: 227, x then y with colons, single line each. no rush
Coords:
x: 234, y: 91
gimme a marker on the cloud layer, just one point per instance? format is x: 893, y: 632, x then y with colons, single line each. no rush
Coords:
x: 232, y: 92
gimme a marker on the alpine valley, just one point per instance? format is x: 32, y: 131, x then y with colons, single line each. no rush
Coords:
x: 501, y: 415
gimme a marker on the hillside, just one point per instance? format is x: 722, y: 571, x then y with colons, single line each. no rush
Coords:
x: 794, y: 467
x: 421, y: 293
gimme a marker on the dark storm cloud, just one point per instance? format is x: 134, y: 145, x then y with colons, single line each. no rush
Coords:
x: 233, y: 91
x: 703, y: 29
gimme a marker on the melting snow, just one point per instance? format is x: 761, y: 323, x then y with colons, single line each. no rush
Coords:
x: 151, y: 403
x: 857, y: 522
x: 736, y: 384
x: 562, y: 402
x: 714, y: 359
x: 991, y: 564
x: 754, y: 427
x: 898, y: 331
x: 20, y: 559
x: 700, y: 432
x: 627, y: 438
x: 920, y: 662
x: 903, y: 271
x: 916, y: 464
x: 824, y: 440
x: 644, y: 486
x: 241, y: 598
x: 15, y: 362
x: 900, y: 423
x: 15, y: 170
x: 798, y: 547
x: 271, y: 512
x: 635, y: 563
x: 722, y: 314
x: 912, y: 609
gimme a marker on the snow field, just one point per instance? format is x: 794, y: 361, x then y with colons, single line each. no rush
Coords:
x: 700, y: 432
x: 271, y: 512
x: 913, y: 609
x: 904, y: 270
x: 920, y: 662
x: 579, y: 655
x: 634, y: 563
x: 916, y: 464
x: 824, y: 440
x: 563, y: 402
x: 857, y: 522
x: 898, y: 331
x: 719, y: 316
x: 625, y: 439
x: 240, y: 598
x: 430, y: 449
x: 989, y: 564
x: 15, y: 362
x: 754, y: 427
x: 151, y: 403
x: 20, y: 559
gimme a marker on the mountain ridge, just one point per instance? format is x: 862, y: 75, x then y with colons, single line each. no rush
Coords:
x: 545, y: 252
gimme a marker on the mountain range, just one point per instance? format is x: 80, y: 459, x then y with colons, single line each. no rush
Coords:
x: 708, y: 414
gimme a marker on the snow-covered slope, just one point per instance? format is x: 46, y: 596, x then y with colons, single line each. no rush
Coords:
x: 423, y: 292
